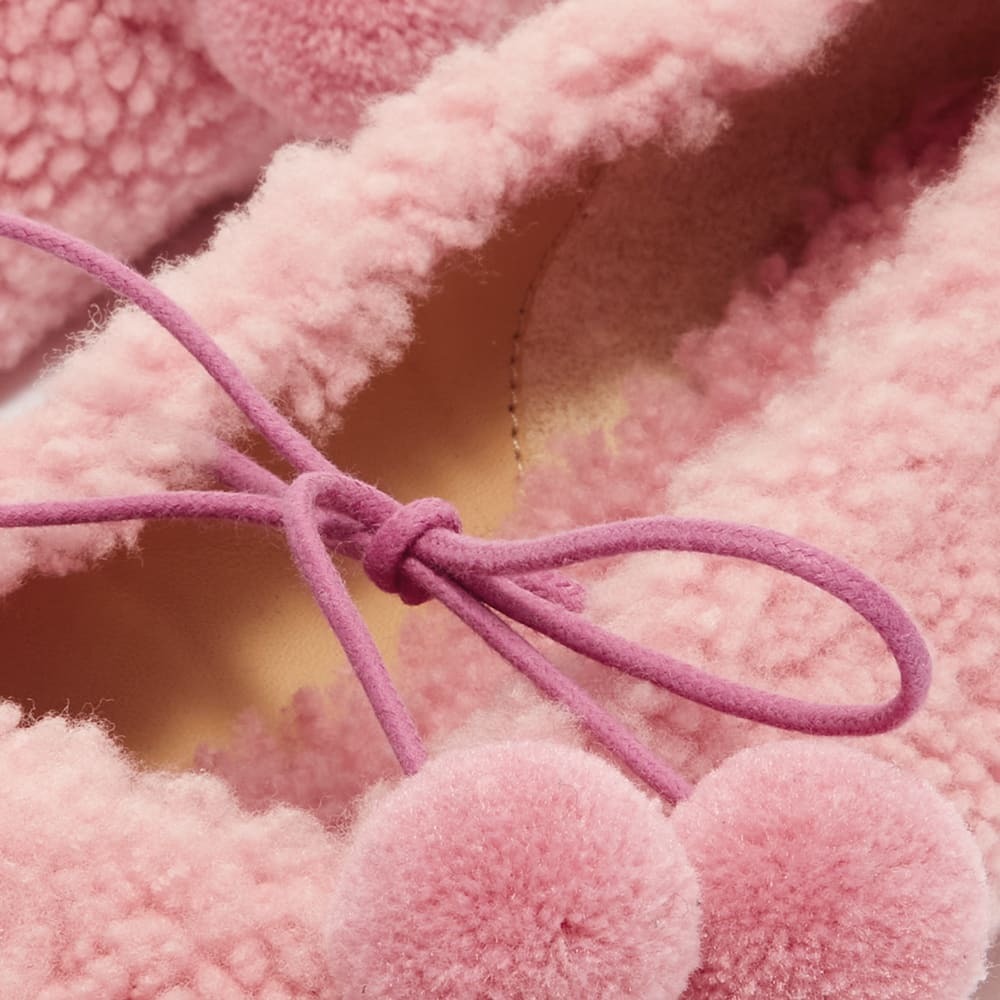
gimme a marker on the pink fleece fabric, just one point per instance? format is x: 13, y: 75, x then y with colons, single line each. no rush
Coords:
x: 130, y: 410
x: 120, y: 118
x: 884, y: 448
x: 806, y: 439
x: 118, y: 885
x: 115, y: 126
x: 864, y: 417
x: 775, y: 416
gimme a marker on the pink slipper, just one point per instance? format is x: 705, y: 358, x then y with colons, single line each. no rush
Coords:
x: 121, y: 118
x: 828, y: 395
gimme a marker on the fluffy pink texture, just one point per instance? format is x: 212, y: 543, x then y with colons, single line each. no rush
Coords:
x: 119, y: 885
x: 848, y: 422
x: 329, y: 747
x: 315, y: 65
x: 515, y: 871
x: 887, y: 454
x: 766, y: 339
x: 115, y: 127
x: 880, y: 323
x: 827, y: 873
x: 129, y: 411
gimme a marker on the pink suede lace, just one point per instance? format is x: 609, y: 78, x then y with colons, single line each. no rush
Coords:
x: 417, y: 550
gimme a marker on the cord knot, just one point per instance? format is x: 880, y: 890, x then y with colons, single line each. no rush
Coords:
x: 391, y: 543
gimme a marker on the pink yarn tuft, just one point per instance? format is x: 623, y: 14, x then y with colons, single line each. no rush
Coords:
x: 516, y: 870
x: 828, y: 873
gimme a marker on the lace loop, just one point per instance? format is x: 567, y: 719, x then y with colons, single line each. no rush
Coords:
x: 482, y: 582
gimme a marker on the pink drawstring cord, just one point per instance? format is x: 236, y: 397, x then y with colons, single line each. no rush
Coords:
x: 417, y: 550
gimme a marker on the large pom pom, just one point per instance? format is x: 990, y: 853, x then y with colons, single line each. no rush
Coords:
x: 828, y: 873
x: 315, y: 63
x: 519, y: 870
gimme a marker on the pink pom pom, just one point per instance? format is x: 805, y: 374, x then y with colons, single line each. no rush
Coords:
x: 828, y: 873
x: 314, y: 64
x: 517, y: 870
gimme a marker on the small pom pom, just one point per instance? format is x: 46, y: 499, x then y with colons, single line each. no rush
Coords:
x: 517, y: 870
x: 828, y: 873
x: 315, y: 64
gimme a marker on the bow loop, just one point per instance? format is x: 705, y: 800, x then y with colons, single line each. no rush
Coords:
x: 404, y: 553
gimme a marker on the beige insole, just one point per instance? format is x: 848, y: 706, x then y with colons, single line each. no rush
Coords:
x: 171, y: 643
